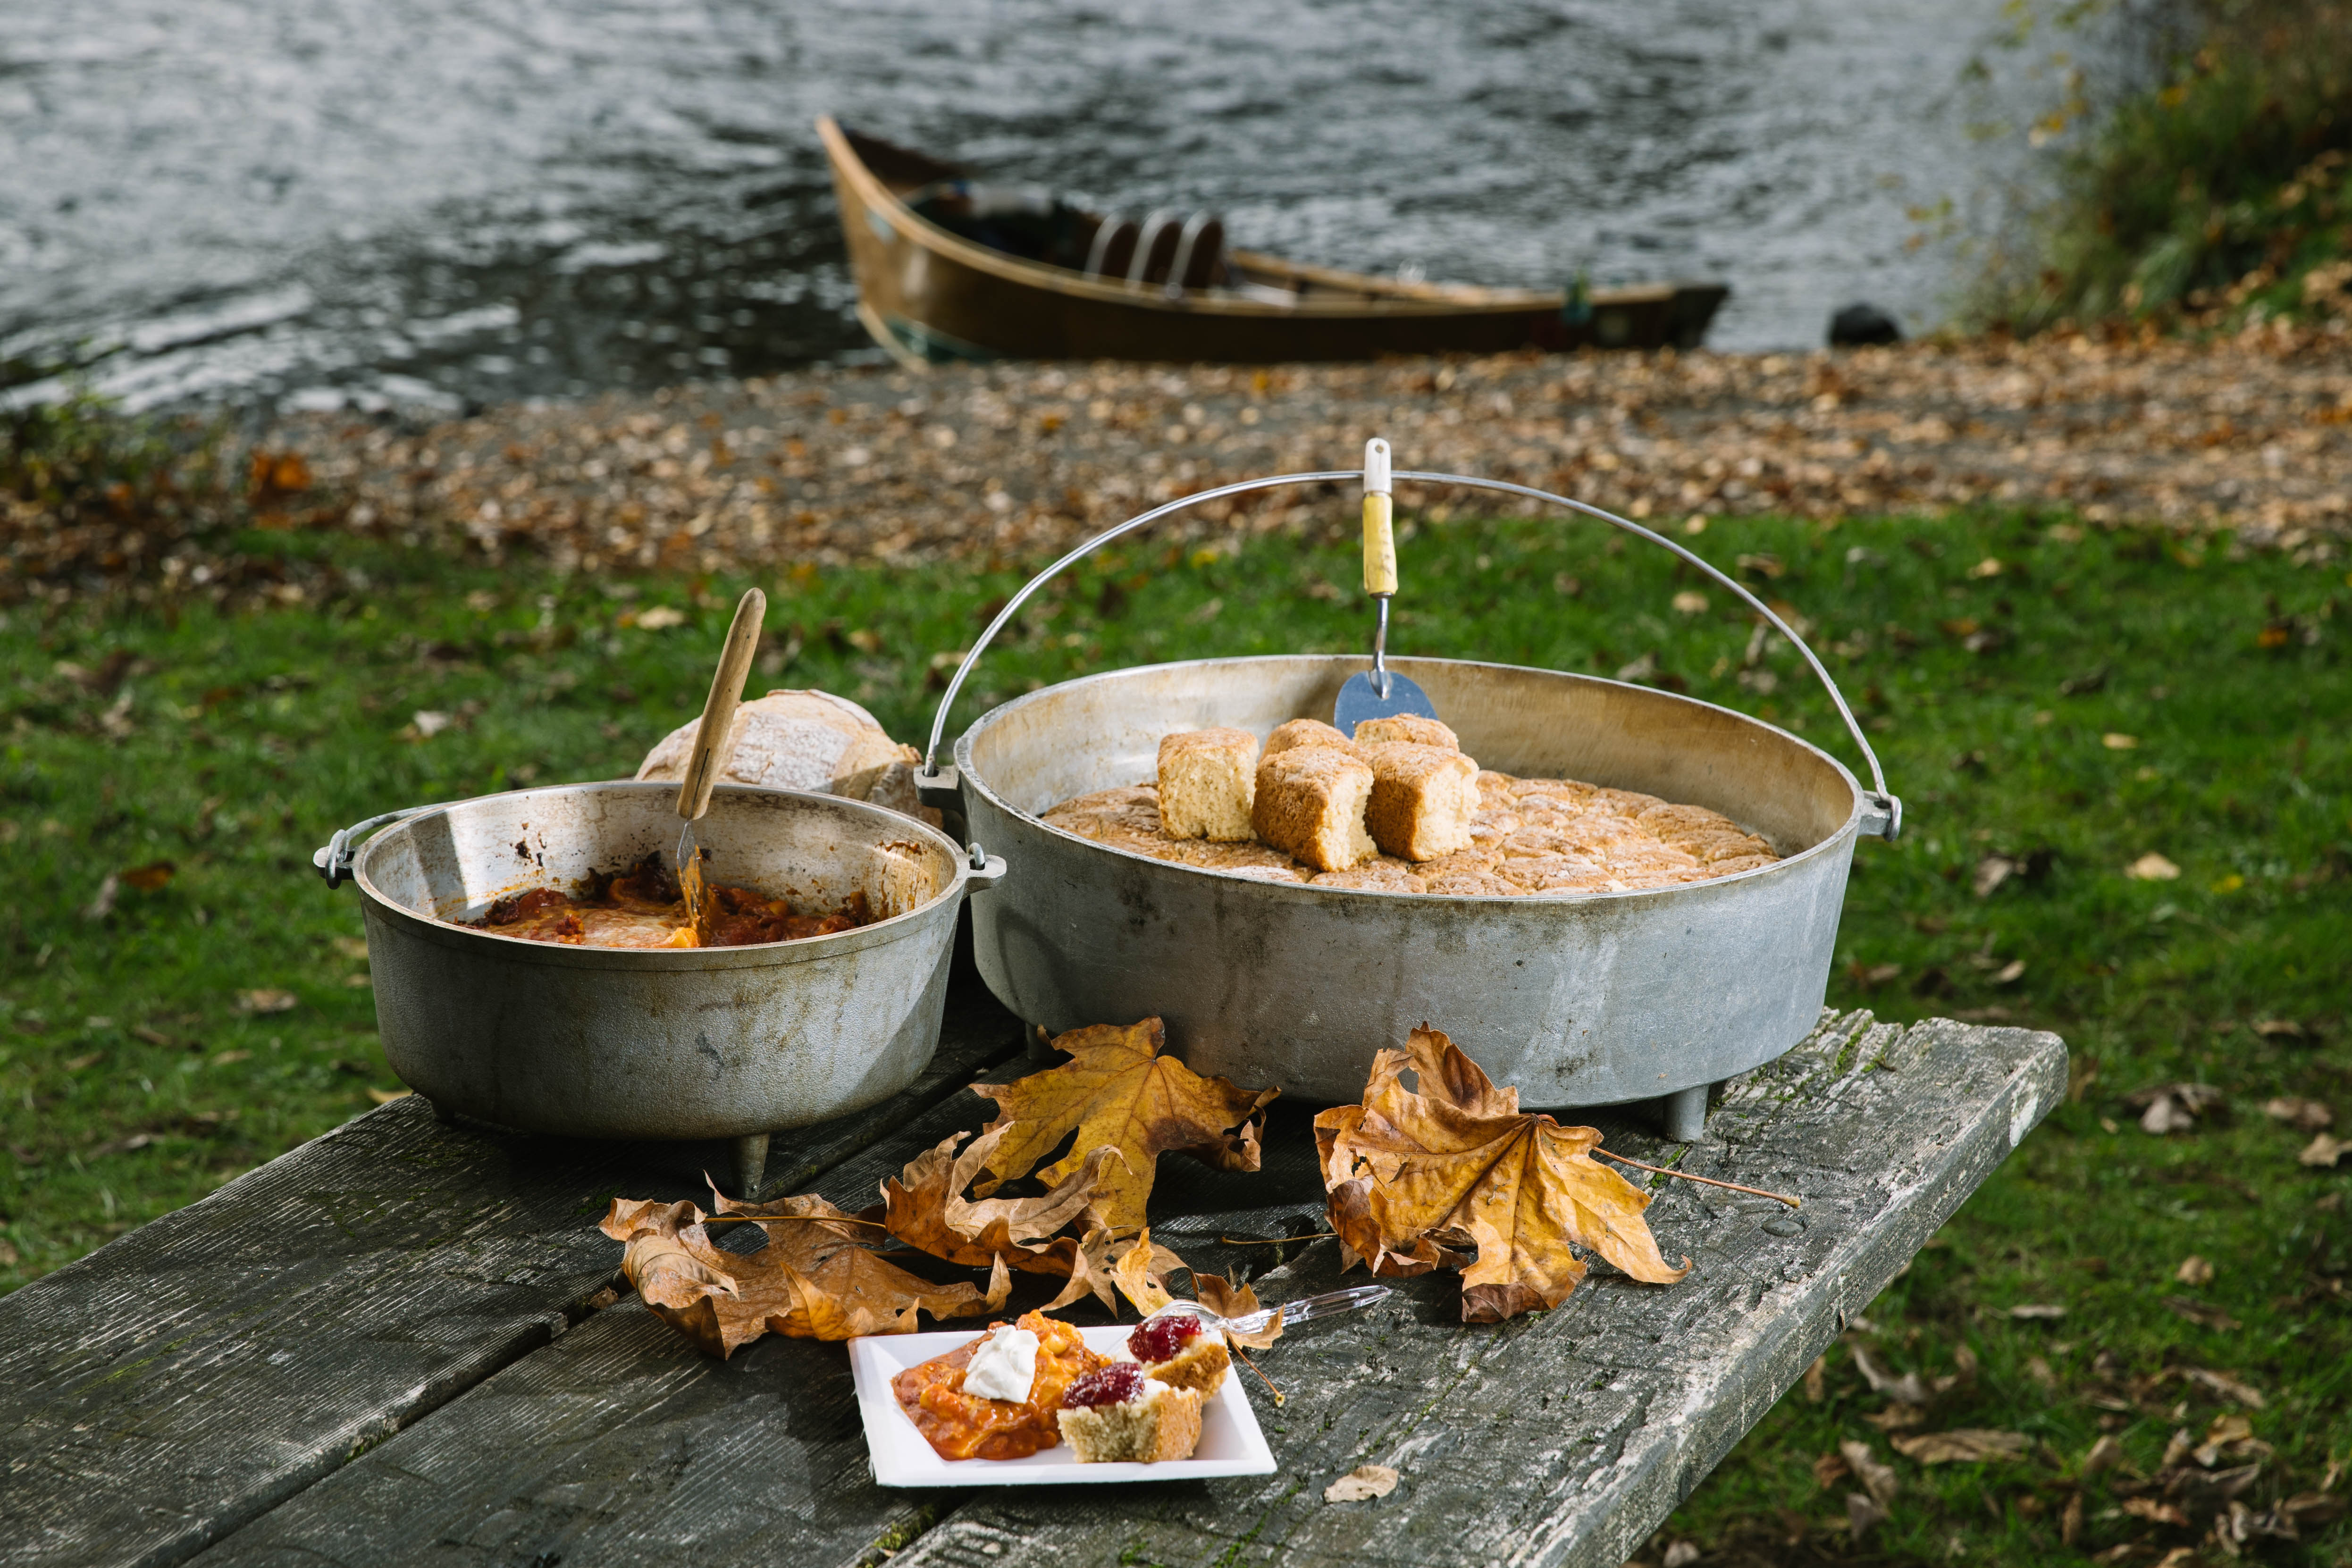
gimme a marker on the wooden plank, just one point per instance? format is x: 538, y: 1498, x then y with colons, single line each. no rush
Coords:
x: 1562, y: 1437
x: 195, y: 1373
x: 1566, y: 1438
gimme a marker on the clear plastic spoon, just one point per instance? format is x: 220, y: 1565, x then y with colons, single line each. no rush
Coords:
x: 1293, y: 1312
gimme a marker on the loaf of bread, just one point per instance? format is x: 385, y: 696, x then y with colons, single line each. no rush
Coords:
x: 1305, y: 732
x: 1207, y: 779
x: 1158, y: 1423
x: 1423, y: 797
x: 1311, y: 806
x: 1406, y: 726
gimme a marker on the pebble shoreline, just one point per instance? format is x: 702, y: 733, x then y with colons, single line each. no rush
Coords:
x: 1003, y: 464
x: 1006, y: 462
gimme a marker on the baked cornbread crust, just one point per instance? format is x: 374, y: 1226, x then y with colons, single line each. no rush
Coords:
x: 1300, y: 732
x: 1310, y: 805
x: 1529, y: 838
x: 1208, y: 779
x: 1410, y: 726
x: 1425, y: 797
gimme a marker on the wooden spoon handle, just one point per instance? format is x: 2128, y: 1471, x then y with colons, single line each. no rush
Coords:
x: 711, y: 737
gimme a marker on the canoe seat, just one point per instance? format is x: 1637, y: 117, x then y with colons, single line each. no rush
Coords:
x: 1166, y: 248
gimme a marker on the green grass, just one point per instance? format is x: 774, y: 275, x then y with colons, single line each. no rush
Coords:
x: 2212, y: 195
x: 231, y: 743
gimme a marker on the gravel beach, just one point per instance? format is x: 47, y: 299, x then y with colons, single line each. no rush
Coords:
x: 1005, y: 463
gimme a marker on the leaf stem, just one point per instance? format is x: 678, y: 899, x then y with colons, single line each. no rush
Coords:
x: 1710, y: 1181
x: 1277, y: 1240
x: 1279, y: 1400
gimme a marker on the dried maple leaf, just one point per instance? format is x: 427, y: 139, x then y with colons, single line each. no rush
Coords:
x: 1117, y: 1090
x: 817, y: 1278
x: 1142, y: 1273
x: 1419, y: 1179
x: 924, y: 1207
x: 1232, y: 1299
x: 1963, y: 1445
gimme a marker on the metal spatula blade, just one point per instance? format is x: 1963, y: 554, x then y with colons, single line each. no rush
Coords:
x: 1379, y: 692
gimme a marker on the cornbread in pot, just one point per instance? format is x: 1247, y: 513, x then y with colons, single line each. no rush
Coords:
x: 1409, y: 726
x: 1208, y: 779
x: 1423, y: 797
x: 1300, y: 732
x: 1311, y: 806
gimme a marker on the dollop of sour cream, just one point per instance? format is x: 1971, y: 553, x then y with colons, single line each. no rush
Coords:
x: 1003, y: 1366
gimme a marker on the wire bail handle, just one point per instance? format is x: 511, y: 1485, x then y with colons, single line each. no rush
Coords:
x: 1887, y: 808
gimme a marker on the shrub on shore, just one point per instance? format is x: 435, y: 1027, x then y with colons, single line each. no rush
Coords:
x: 2221, y: 194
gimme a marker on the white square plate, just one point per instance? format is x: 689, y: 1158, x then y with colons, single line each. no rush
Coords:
x: 1231, y: 1443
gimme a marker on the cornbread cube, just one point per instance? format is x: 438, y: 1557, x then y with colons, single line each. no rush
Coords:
x: 1305, y: 732
x: 1406, y: 726
x: 1162, y: 1422
x: 1310, y: 805
x: 1423, y: 798
x: 1207, y: 779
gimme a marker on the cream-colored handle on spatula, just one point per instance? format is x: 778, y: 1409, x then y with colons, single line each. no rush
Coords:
x: 711, y: 737
x: 1380, y: 536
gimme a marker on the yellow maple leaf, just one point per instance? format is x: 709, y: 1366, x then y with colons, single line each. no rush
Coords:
x: 1117, y: 1090
x: 1458, y: 1174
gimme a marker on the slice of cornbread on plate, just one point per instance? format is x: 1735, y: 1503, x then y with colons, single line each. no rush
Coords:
x: 1207, y: 779
x: 1423, y: 801
x: 1311, y: 806
x: 1154, y: 1423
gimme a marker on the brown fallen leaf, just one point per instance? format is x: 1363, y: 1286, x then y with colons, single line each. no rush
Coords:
x: 1908, y: 1389
x: 1231, y: 1299
x: 2152, y: 867
x: 1963, y: 1445
x: 1117, y: 1091
x: 1863, y: 1515
x: 2194, y: 1270
x: 1458, y: 1174
x: 2070, y: 1522
x: 924, y: 1207
x: 1876, y: 1477
x: 2198, y: 1312
x: 2225, y: 1386
x: 1363, y: 1481
x: 2279, y: 1028
x: 148, y: 877
x: 1141, y: 1273
x: 817, y: 1278
x: 2323, y: 1152
x: 387, y: 1096
x: 2303, y: 1115
x: 2037, y: 1311
x: 1898, y: 1418
x: 2155, y: 1511
x: 266, y: 1001
x: 2105, y: 1455
x: 1830, y: 1469
x: 1817, y: 1383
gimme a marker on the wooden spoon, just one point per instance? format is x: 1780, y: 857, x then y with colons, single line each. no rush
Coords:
x: 710, y: 750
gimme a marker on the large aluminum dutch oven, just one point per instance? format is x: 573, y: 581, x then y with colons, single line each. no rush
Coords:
x: 1585, y: 999
x: 720, y: 1042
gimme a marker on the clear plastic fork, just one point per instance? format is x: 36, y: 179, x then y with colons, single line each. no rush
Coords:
x: 1293, y: 1312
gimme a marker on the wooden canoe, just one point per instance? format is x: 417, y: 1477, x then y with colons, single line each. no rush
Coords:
x: 948, y: 269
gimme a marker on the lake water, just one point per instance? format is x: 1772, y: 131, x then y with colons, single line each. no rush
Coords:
x: 315, y: 202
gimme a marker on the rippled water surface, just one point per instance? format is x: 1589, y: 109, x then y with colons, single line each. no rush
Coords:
x: 316, y: 201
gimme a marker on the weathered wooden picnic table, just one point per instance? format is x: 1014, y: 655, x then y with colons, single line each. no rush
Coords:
x: 400, y: 1341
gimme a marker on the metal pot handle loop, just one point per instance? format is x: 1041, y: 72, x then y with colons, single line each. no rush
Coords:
x: 333, y: 858
x: 938, y: 785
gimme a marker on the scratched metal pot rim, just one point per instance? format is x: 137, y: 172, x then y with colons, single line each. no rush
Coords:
x: 760, y: 954
x: 1839, y: 842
